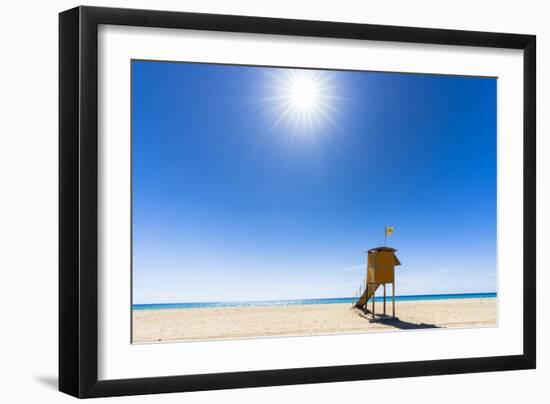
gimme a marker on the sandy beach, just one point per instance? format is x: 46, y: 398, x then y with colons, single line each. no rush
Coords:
x: 245, y: 322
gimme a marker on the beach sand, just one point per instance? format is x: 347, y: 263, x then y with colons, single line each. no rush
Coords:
x: 264, y: 321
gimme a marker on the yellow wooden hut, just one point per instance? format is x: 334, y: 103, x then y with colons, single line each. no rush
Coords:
x: 381, y: 265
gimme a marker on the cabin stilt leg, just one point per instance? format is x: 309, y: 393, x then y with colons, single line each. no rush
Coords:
x: 365, y: 309
x: 393, y: 299
x: 373, y: 293
x: 384, y: 299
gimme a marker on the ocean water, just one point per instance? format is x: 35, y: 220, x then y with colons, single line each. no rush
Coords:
x: 300, y: 302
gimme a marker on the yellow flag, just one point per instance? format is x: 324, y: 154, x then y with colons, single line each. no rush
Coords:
x: 389, y: 230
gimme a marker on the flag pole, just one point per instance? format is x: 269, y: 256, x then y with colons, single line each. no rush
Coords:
x: 385, y: 236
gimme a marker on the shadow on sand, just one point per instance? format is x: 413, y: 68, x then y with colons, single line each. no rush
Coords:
x: 395, y: 322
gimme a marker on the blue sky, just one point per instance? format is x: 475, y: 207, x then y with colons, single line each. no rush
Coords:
x: 235, y: 200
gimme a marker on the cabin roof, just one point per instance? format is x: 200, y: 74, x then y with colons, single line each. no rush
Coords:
x: 376, y: 249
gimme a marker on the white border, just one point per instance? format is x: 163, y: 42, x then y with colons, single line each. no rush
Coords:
x: 119, y: 359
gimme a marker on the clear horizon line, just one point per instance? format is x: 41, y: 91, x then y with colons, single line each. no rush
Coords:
x: 311, y: 298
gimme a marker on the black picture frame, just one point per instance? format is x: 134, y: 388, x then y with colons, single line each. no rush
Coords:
x: 78, y: 201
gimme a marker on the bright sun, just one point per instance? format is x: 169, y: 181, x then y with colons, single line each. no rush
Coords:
x: 302, y: 100
x: 303, y: 92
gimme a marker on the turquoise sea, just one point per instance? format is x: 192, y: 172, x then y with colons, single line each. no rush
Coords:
x: 299, y: 302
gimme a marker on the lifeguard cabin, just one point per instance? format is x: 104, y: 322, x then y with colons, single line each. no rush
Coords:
x: 381, y: 263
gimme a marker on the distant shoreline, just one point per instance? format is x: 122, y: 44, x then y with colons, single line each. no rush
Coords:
x: 305, y: 302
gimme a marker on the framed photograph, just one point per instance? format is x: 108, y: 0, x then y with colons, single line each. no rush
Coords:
x: 251, y: 201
